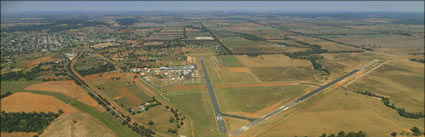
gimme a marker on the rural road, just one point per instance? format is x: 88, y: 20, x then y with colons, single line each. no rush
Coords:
x: 237, y: 132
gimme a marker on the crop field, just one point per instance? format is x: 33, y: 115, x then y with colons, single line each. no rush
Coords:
x: 77, y: 124
x: 29, y: 102
x: 196, y: 104
x: 400, y: 80
x: 253, y: 99
x: 335, y: 111
x: 68, y: 88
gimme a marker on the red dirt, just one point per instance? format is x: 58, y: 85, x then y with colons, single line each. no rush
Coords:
x: 39, y: 60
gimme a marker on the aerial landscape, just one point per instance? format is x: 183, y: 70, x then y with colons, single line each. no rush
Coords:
x: 212, y: 69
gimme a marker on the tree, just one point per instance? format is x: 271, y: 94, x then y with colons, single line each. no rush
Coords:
x: 416, y: 131
x: 394, y: 134
x: 331, y: 135
x: 151, y: 123
x: 323, y: 135
x: 341, y: 134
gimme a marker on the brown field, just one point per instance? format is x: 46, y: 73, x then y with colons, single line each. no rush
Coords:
x: 102, y: 45
x: 153, y: 43
x: 28, y: 102
x: 239, y: 69
x: 335, y: 111
x: 68, y: 88
x: 76, y: 125
x: 17, y: 134
x: 39, y: 60
x: 272, y: 61
x: 107, y: 75
x: 129, y: 95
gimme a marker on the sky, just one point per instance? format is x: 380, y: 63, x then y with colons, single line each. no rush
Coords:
x: 295, y: 6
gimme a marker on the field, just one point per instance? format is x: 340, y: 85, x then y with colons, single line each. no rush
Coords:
x: 229, y: 61
x: 28, y: 102
x: 253, y: 99
x: 77, y: 124
x: 335, y: 111
x: 68, y: 88
x: 196, y: 104
x: 402, y: 81
x: 241, y: 45
x: 116, y: 86
x: 160, y: 116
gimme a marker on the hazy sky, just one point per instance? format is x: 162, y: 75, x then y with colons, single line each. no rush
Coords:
x: 307, y: 6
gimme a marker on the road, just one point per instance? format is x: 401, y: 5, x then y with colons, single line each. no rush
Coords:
x: 237, y: 132
x: 218, y: 114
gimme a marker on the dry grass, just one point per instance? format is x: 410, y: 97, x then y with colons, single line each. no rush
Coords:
x: 77, y: 125
x: 272, y: 61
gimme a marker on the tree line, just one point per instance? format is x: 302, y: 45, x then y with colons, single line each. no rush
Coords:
x: 26, y: 122
x: 418, y: 60
x: 401, y: 111
x: 5, y: 95
x: 103, y: 68
x: 343, y: 134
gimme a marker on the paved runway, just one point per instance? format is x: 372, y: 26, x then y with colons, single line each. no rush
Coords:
x: 290, y: 104
x: 218, y: 114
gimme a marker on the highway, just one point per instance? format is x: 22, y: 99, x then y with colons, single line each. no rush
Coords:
x: 218, y: 114
x: 237, y: 132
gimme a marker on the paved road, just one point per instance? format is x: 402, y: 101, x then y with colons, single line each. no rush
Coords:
x: 218, y: 114
x: 290, y: 104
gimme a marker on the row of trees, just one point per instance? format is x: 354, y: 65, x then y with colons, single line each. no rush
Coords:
x: 416, y: 132
x: 26, y: 122
x: 401, y: 111
x: 103, y: 68
x: 418, y: 60
x: 343, y: 134
x: 5, y: 95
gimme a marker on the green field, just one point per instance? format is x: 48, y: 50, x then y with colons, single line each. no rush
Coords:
x: 196, y: 104
x: 252, y: 99
x: 160, y: 116
x: 14, y: 86
x: 229, y: 61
